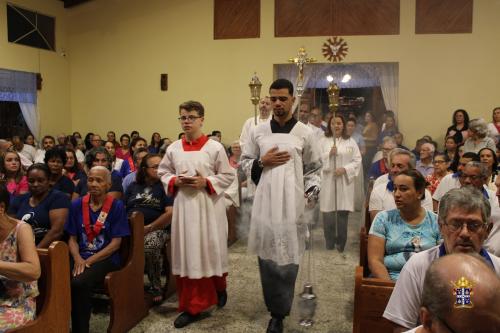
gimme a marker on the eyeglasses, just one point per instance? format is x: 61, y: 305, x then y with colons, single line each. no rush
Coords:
x: 280, y: 98
x: 188, y: 118
x: 455, y: 226
x: 472, y: 177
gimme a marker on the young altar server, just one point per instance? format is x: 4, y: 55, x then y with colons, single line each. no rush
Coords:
x: 285, y: 165
x: 196, y: 171
x: 347, y: 157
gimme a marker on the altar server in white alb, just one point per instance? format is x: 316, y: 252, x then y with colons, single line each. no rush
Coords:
x: 196, y: 171
x: 285, y: 165
x: 341, y: 164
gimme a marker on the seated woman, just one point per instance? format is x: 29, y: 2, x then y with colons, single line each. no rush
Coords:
x: 441, y: 164
x: 478, y: 137
x: 123, y: 151
x: 55, y: 159
x: 489, y: 158
x: 117, y: 162
x: 72, y: 168
x: 155, y: 143
x: 19, y: 269
x: 96, y: 224
x: 99, y: 156
x: 12, y: 173
x: 397, y: 234
x: 45, y: 209
x: 147, y: 196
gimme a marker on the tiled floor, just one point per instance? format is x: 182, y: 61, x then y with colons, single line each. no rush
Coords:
x: 246, y: 311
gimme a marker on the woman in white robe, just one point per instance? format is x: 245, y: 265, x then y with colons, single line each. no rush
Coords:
x: 345, y: 153
x: 197, y: 171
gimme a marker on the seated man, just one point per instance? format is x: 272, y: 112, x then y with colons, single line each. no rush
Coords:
x: 100, y: 157
x: 452, y: 181
x: 443, y: 311
x: 96, y: 224
x: 475, y: 174
x: 382, y: 197
x: 424, y: 164
x: 459, y: 207
x: 48, y: 142
x: 381, y: 167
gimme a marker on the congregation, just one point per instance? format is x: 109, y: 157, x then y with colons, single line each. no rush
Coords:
x: 428, y: 208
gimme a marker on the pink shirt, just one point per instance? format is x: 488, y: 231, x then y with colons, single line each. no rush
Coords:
x: 18, y: 188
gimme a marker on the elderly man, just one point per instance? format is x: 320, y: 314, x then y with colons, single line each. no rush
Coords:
x: 452, y: 180
x: 442, y: 309
x: 381, y: 167
x: 464, y: 222
x: 382, y: 197
x: 96, y: 224
x: 48, y: 142
x: 100, y: 157
x: 304, y: 113
x: 284, y: 164
x: 475, y: 174
x: 424, y: 164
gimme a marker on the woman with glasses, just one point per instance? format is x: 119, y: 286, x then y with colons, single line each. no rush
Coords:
x: 441, y: 164
x: 196, y: 171
x: 397, y: 234
x: 146, y: 195
x: 12, y: 173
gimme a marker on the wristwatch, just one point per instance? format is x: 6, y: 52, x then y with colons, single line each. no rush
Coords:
x: 260, y: 164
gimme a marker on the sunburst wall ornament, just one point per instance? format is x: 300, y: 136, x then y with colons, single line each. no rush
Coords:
x: 335, y: 49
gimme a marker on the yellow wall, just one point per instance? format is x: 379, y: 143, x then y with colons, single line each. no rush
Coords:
x: 117, y: 50
x: 53, y: 99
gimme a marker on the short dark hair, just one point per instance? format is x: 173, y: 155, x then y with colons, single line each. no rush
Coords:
x: 180, y: 135
x: 137, y: 139
x: 471, y: 155
x: 125, y: 136
x: 55, y: 153
x: 39, y: 166
x: 282, y: 84
x: 418, y: 180
x: 140, y: 177
x: 133, y: 133
x: 193, y: 106
x: 48, y: 137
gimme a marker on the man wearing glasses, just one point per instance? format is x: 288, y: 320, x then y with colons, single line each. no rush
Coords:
x: 464, y: 222
x: 285, y: 165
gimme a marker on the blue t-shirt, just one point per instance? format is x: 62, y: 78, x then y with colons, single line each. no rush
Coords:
x: 38, y: 217
x: 116, y: 225
x: 65, y: 185
x: 150, y: 200
x: 116, y: 184
x: 402, y: 240
x: 125, y: 168
x: 129, y: 179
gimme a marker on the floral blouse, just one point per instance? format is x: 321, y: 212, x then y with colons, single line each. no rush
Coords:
x: 17, y: 299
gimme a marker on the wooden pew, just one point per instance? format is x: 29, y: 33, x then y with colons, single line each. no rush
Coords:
x: 125, y: 287
x: 363, y: 251
x: 370, y: 299
x: 54, y: 301
x: 171, y: 286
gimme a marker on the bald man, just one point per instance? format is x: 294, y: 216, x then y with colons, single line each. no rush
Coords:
x: 443, y: 310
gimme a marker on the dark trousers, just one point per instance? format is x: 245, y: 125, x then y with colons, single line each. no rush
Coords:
x: 335, y: 229
x: 81, y: 292
x: 278, y: 285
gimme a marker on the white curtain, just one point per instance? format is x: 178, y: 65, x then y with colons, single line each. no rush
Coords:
x: 31, y: 118
x: 389, y: 84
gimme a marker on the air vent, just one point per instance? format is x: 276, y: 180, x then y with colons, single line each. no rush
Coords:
x: 30, y: 28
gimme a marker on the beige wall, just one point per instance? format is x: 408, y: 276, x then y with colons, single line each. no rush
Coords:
x: 117, y: 50
x: 53, y: 99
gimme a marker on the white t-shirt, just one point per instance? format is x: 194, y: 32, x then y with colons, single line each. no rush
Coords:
x: 80, y: 157
x: 449, y: 182
x: 117, y: 164
x: 404, y: 305
x: 382, y: 199
x: 384, y: 179
x: 414, y: 330
x: 492, y: 243
x: 40, y: 156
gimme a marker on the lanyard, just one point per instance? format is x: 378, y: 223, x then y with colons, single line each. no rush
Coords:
x: 89, y: 231
x: 131, y: 164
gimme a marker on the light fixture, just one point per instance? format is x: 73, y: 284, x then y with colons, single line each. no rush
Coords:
x: 346, y: 78
x: 329, y: 78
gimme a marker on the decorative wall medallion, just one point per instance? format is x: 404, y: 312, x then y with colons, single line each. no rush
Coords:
x: 335, y: 49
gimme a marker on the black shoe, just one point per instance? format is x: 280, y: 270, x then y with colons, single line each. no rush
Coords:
x: 221, y: 298
x: 275, y: 325
x: 340, y: 248
x: 185, y: 319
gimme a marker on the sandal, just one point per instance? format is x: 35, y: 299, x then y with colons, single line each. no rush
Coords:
x: 157, y: 295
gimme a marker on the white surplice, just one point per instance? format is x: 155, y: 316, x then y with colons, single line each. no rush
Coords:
x: 199, y: 222
x: 277, y: 227
x: 349, y: 158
